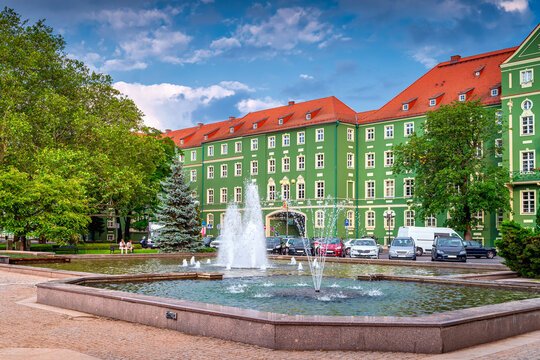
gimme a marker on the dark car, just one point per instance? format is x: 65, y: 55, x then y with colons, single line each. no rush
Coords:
x: 331, y: 246
x: 295, y: 246
x: 274, y: 244
x: 447, y: 248
x: 477, y: 250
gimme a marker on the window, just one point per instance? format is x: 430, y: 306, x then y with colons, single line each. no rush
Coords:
x: 499, y: 218
x: 211, y: 150
x: 408, y: 188
x: 388, y: 158
x: 301, y: 162
x: 271, y: 192
x: 479, y: 215
x: 370, y: 134
x: 254, y: 144
x: 389, y: 188
x: 319, y: 189
x: 320, y: 135
x: 350, y: 161
x: 110, y: 223
x: 389, y: 221
x: 224, y: 170
x: 182, y: 158
x: 319, y: 219
x: 210, y: 172
x: 409, y: 218
x: 301, y: 138
x: 431, y: 221
x: 462, y: 97
x: 308, y: 116
x: 350, y: 134
x: 271, y: 142
x: 409, y: 128
x: 238, y: 169
x: 498, y: 147
x: 210, y: 220
x: 526, y: 78
x: 389, y: 132
x: 210, y: 196
x: 271, y: 166
x: 238, y: 194
x: 527, y: 161
x: 222, y: 217
x: 280, y: 121
x: 350, y: 217
x: 432, y: 102
x: 494, y: 92
x: 498, y: 117
x: 285, y: 164
x: 370, y: 189
x: 526, y: 105
x: 300, y: 190
x: 479, y: 151
x: 370, y: 219
x: 319, y: 161
x: 254, y: 167
x: 223, y: 149
x: 286, y: 140
x: 238, y: 146
x: 528, y: 204
x: 254, y: 125
x: 405, y: 107
x: 193, y: 155
x: 527, y: 125
x: 285, y: 191
x: 110, y: 237
x: 223, y: 195
x: 370, y: 160
x: 193, y: 176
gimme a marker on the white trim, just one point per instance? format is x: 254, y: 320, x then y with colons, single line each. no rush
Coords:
x: 317, y: 135
x: 283, y: 140
x: 532, y: 213
x: 366, y: 134
x: 386, y: 130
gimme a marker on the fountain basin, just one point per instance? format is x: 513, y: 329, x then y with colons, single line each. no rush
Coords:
x: 435, y: 333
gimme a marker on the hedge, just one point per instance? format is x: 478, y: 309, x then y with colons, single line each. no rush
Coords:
x: 520, y: 248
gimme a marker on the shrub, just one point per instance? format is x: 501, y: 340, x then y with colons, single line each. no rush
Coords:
x: 207, y: 249
x: 520, y: 248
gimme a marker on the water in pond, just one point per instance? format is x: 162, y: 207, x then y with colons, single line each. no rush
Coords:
x: 159, y: 265
x: 338, y: 297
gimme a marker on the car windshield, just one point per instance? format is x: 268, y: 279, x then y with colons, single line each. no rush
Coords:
x: 452, y: 242
x: 402, y: 242
x: 332, y: 241
x: 273, y: 241
x: 297, y: 242
x: 364, y: 242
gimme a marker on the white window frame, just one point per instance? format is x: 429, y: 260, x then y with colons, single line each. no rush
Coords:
x: 405, y: 107
x: 271, y: 190
x: 368, y: 161
x: 223, y: 195
x: 531, y: 209
x: 389, y: 129
x: 430, y: 221
x: 408, y: 130
x: 350, y: 134
x: 351, y: 196
x: 499, y: 218
x: 528, y: 82
x: 238, y: 194
x: 238, y: 147
x: 389, y: 188
x: 498, y: 147
x: 286, y: 191
x: 494, y: 92
x: 298, y: 163
x: 350, y: 217
x: 210, y: 172
x: 462, y: 97
x: 210, y: 220
x: 370, y: 190
x: 193, y: 175
x: 527, y: 104
x: 524, y: 129
x: 254, y: 168
x: 319, y: 219
x: 388, y: 158
x: 210, y: 196
x: 370, y: 220
x: 390, y: 222
x: 224, y: 149
x: 370, y: 134
x: 408, y: 187
x: 285, y: 164
x: 254, y: 144
x: 319, y: 135
x: 224, y: 170
x: 285, y: 140
x: 319, y: 185
x: 480, y: 216
x: 300, y: 189
x: 409, y: 217
x: 350, y: 161
x: 522, y: 160
x: 271, y: 166
x: 238, y: 169
x: 193, y: 155
x: 301, y: 138
x: 432, y: 102
x: 211, y: 150
x: 319, y: 162
x: 271, y: 142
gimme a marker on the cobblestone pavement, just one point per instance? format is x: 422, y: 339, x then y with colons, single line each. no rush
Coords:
x: 28, y: 327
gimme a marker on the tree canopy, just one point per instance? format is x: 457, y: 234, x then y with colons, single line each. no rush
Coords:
x: 67, y: 129
x: 453, y: 159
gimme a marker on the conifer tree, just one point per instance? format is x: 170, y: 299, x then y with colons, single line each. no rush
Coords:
x: 178, y: 214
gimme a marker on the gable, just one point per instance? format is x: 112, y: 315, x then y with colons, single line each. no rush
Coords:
x: 529, y: 48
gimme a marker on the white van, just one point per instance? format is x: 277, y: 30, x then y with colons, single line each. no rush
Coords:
x: 423, y: 236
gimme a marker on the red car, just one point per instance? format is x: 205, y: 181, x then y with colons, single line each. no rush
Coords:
x: 331, y: 246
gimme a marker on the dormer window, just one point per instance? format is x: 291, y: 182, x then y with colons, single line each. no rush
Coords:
x: 494, y: 92
x: 205, y: 137
x: 182, y: 142
x: 405, y: 107
x: 435, y: 99
x: 463, y: 94
x: 477, y: 74
x: 231, y: 130
x: 280, y: 121
x: 462, y: 97
x: 255, y: 125
x: 308, y: 116
x: 432, y: 102
x: 478, y: 70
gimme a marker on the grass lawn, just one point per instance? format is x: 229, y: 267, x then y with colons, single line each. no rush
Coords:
x: 137, y: 251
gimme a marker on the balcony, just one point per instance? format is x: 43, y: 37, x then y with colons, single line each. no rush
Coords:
x: 525, y: 177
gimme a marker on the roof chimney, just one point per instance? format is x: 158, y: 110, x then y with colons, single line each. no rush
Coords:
x: 231, y: 118
x: 291, y: 103
x: 167, y: 130
x: 455, y: 58
x: 199, y: 125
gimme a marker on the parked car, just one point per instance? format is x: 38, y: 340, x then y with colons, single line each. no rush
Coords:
x: 295, y: 246
x: 402, y: 248
x: 364, y: 248
x: 477, y: 250
x: 347, y: 244
x: 274, y: 244
x: 215, y: 243
x: 147, y: 243
x: 448, y: 248
x: 331, y: 246
x: 207, y: 240
x: 423, y: 236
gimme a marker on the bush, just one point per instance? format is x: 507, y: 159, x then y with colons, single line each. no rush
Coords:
x: 520, y: 248
x: 207, y: 249
x: 89, y: 246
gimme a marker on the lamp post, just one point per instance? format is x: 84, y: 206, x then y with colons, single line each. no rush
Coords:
x: 389, y: 216
x: 286, y: 197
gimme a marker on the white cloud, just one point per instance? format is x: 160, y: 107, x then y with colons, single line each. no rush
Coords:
x: 127, y: 18
x: 250, y: 105
x: 306, y: 77
x: 225, y: 43
x: 513, y: 5
x: 121, y: 65
x: 159, y: 43
x: 170, y: 105
x: 426, y: 56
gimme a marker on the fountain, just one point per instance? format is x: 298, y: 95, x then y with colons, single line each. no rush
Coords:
x: 184, y: 263
x: 293, y: 261
x: 192, y: 261
x: 243, y: 243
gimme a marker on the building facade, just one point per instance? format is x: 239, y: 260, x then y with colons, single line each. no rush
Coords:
x: 324, y: 169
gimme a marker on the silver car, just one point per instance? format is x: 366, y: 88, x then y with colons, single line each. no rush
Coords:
x: 364, y: 248
x: 402, y: 248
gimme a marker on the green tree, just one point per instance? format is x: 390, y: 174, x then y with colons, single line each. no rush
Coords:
x: 520, y: 248
x: 178, y: 215
x: 454, y: 167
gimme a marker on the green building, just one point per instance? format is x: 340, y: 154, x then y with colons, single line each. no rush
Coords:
x: 329, y: 168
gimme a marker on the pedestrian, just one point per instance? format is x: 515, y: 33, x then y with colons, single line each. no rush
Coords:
x: 122, y: 246
x: 129, y: 247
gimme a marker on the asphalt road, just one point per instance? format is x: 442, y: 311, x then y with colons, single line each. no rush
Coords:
x: 473, y: 260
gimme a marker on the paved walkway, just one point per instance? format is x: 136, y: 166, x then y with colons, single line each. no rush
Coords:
x: 34, y: 331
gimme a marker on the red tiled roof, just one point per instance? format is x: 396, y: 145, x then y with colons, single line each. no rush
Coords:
x: 322, y: 111
x: 450, y: 79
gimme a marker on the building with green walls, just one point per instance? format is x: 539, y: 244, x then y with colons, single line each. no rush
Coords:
x: 330, y: 168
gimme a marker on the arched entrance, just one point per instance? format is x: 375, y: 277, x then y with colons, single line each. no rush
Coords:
x: 276, y: 223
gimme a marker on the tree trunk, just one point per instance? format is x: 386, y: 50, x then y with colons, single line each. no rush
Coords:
x: 468, y: 233
x: 118, y: 227
x: 127, y: 234
x: 42, y: 240
x: 25, y: 245
x: 16, y: 242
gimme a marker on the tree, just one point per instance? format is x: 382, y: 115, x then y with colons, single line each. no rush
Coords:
x: 178, y: 214
x: 520, y: 248
x: 453, y: 162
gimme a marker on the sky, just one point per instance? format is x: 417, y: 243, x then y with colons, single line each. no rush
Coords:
x: 184, y: 62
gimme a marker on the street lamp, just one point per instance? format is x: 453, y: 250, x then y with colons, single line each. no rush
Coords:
x: 286, y: 201
x: 389, y: 216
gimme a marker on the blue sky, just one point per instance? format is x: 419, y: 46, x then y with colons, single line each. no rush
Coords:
x: 184, y: 62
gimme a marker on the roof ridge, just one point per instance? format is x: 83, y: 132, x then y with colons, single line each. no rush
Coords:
x: 477, y: 56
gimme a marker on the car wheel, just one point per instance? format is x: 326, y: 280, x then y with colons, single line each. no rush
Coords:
x: 432, y: 259
x: 490, y: 255
x: 414, y: 258
x: 419, y: 251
